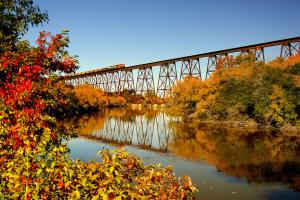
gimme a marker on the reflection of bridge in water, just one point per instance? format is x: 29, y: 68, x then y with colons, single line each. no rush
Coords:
x: 116, y: 80
x: 152, y: 134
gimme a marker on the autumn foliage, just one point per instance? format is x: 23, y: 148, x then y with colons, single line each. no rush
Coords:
x: 34, y: 161
x: 243, y: 90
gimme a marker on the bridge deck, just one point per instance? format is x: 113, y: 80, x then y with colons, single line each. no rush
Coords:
x: 196, y: 56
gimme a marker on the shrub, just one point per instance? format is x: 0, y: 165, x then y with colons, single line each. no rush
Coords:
x: 117, y: 101
x: 89, y: 98
x: 185, y: 96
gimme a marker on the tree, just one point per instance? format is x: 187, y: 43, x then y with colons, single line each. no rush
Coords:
x: 16, y: 17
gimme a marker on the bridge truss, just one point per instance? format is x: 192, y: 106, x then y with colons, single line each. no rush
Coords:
x: 116, y: 80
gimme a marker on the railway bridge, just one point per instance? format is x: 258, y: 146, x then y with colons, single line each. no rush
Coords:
x: 119, y: 78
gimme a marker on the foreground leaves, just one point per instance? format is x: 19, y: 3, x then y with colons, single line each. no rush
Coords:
x: 34, y: 161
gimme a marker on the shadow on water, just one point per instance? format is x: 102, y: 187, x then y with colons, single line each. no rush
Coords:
x: 255, y: 156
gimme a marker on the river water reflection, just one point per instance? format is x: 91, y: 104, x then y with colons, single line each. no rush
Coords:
x: 223, y: 163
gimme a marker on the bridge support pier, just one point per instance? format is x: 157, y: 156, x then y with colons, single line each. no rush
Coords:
x: 190, y: 67
x: 101, y: 81
x: 167, y: 78
x: 93, y: 81
x: 126, y: 81
x: 112, y: 82
x: 258, y: 52
x: 217, y: 61
x: 145, y: 81
x: 211, y: 65
x: 289, y: 49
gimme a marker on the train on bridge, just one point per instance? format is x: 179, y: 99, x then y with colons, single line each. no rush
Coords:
x: 117, y: 78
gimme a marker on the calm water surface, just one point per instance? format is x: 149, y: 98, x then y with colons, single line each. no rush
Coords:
x: 223, y: 163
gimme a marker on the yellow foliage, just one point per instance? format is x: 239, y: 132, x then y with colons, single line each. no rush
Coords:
x: 89, y: 96
x: 280, y: 109
x: 277, y: 63
x: 117, y: 101
x: 297, y: 80
x: 185, y: 95
x: 283, y: 64
x: 292, y: 60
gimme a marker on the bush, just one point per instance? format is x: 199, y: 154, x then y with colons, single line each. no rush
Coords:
x: 184, y: 96
x: 89, y: 98
x: 117, y: 101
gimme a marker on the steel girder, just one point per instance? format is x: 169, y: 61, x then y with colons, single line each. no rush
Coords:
x: 145, y: 81
x: 167, y: 78
x: 126, y: 81
x: 289, y: 49
x: 190, y: 67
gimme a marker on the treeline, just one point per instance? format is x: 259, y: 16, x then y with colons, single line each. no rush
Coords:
x: 242, y: 89
x: 84, y: 98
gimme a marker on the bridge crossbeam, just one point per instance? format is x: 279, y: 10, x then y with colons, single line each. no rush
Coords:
x: 190, y: 67
x: 145, y: 81
x: 289, y: 49
x: 126, y: 81
x: 167, y: 78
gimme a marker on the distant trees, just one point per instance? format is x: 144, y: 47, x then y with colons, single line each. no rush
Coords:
x: 90, y: 98
x: 85, y: 97
x: 267, y: 93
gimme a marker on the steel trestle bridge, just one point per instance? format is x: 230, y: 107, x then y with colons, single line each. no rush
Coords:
x: 116, y: 80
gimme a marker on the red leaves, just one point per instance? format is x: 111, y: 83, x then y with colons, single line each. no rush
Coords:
x: 53, y: 136
x: 30, y: 72
x: 33, y: 166
x: 61, y: 184
x: 29, y: 91
x: 25, y: 88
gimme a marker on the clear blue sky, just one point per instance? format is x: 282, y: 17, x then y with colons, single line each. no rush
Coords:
x: 107, y: 32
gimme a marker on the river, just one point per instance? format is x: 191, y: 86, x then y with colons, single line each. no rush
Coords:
x: 224, y: 163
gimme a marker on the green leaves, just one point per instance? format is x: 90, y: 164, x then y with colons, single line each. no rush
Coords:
x: 243, y: 92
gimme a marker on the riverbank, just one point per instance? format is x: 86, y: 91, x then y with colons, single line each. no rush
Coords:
x: 237, y: 95
x: 246, y: 125
x: 153, y: 106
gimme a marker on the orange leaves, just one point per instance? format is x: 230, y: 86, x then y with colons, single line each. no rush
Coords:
x: 240, y: 89
x: 90, y: 97
x: 283, y: 64
x: 293, y: 60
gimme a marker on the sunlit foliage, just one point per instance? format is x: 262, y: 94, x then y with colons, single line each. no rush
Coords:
x: 90, y: 98
x: 244, y: 89
x: 34, y: 161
